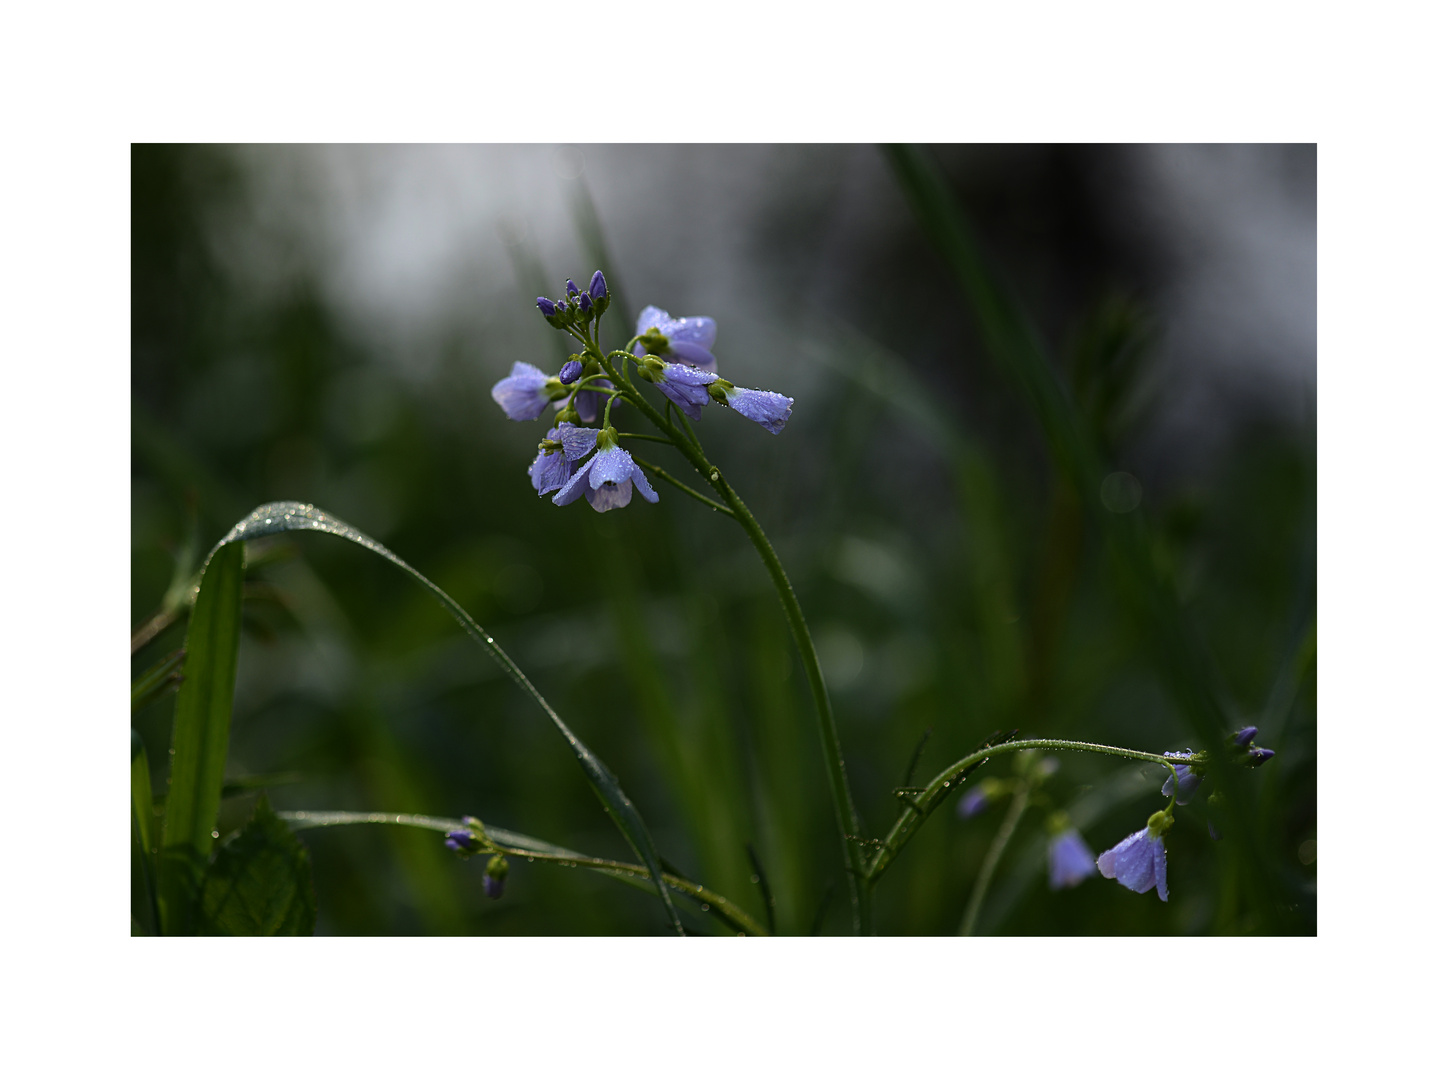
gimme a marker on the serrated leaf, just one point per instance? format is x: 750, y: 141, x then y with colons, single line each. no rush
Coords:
x: 280, y: 517
x: 199, y: 736
x: 259, y: 884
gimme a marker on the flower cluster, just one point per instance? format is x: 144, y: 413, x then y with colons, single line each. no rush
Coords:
x: 673, y: 354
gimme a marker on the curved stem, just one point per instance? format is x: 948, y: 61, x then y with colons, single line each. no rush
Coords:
x: 923, y: 804
x: 846, y: 819
x: 505, y: 842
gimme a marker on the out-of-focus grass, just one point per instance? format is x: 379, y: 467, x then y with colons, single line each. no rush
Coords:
x: 953, y: 583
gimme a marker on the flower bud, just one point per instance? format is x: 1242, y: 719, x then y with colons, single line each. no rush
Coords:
x: 571, y: 372
x: 572, y: 288
x: 1259, y: 755
x: 585, y: 303
x: 494, y: 876
x: 546, y: 306
x: 1245, y: 736
x: 597, y: 287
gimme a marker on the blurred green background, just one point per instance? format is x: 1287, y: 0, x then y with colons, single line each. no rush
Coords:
x: 325, y: 324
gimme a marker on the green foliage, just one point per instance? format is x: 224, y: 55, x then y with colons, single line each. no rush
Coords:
x: 259, y: 884
x: 201, y: 730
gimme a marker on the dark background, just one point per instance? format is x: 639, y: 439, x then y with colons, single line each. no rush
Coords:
x: 324, y: 324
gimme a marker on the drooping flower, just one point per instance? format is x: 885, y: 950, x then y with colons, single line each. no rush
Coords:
x: 1139, y: 861
x: 686, y: 340
x: 608, y: 478
x: 553, y: 467
x: 1069, y: 859
x: 526, y: 392
x: 1184, y: 779
x: 766, y: 408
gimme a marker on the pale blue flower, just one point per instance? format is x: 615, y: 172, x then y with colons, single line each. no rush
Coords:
x: 1138, y: 862
x: 766, y: 408
x: 689, y: 339
x: 607, y: 479
x: 687, y: 387
x: 524, y: 394
x: 1184, y: 779
x: 1069, y: 859
x: 553, y: 467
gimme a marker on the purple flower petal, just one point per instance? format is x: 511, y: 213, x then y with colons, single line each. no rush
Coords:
x: 690, y: 353
x: 1138, y: 862
x: 641, y: 482
x: 686, y: 387
x: 521, y: 394
x: 1069, y: 859
x: 766, y: 408
x: 610, y: 496
x: 588, y: 403
x: 576, y: 485
x: 578, y: 442
x: 550, y: 470
x: 612, y: 466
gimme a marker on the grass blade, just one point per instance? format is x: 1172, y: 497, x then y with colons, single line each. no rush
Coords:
x: 143, y: 867
x: 280, y: 517
x: 199, y: 737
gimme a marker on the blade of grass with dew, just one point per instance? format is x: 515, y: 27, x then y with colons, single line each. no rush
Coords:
x: 280, y: 517
x: 1018, y: 352
x: 199, y: 737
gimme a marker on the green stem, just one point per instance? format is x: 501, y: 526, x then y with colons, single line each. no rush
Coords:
x: 846, y: 819
x: 923, y: 804
x: 662, y: 475
x: 993, y: 856
x: 505, y: 842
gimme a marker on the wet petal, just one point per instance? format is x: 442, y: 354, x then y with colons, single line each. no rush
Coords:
x: 612, y: 466
x: 642, y: 483
x: 766, y: 408
x: 576, y: 485
x: 610, y: 496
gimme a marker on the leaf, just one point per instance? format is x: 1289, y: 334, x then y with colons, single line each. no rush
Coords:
x: 143, y: 867
x: 260, y: 883
x: 279, y: 517
x: 199, y: 736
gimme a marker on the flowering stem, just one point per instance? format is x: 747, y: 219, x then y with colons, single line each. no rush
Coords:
x: 993, y: 856
x: 846, y: 819
x: 923, y: 804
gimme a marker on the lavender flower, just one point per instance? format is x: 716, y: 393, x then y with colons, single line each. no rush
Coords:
x: 526, y: 392
x: 1069, y: 859
x: 685, y: 386
x: 973, y: 802
x: 685, y: 340
x: 1184, y: 779
x: 553, y: 467
x: 607, y: 479
x: 766, y: 408
x: 1139, y: 861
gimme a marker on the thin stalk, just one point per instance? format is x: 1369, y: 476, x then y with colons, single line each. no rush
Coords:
x: 846, y: 819
x: 662, y: 475
x: 993, y: 856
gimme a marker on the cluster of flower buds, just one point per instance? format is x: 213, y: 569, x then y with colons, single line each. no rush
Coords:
x: 578, y: 307
x: 1246, y: 751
